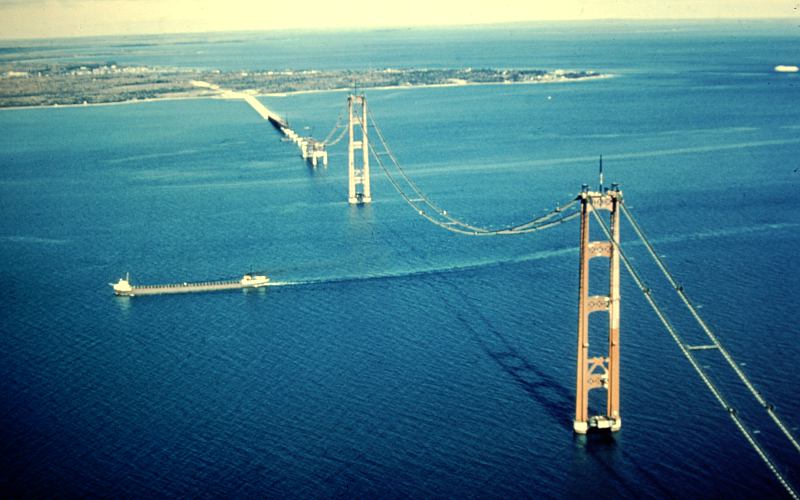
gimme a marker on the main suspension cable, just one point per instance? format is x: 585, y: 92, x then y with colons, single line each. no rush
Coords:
x: 339, y: 124
x: 542, y: 222
x: 449, y: 222
x: 422, y: 197
x: 334, y: 142
x: 686, y: 351
x: 715, y: 341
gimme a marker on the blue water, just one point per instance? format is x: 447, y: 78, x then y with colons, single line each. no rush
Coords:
x: 398, y: 359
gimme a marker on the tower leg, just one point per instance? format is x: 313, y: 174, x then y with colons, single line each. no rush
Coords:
x: 612, y: 407
x: 581, y: 423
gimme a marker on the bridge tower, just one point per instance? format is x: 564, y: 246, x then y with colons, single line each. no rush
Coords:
x: 598, y: 372
x: 358, y: 172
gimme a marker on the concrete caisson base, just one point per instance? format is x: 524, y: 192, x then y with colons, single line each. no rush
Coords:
x: 598, y: 422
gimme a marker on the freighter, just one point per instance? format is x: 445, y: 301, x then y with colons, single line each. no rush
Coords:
x: 123, y: 286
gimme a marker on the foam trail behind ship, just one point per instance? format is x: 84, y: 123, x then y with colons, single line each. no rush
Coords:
x: 535, y: 256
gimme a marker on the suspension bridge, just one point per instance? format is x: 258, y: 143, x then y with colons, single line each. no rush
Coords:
x: 605, y: 208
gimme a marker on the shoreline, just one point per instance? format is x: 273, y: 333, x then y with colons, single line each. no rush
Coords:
x: 221, y: 94
x: 148, y: 100
x: 442, y: 85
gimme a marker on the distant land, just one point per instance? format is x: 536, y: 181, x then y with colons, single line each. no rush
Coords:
x: 40, y: 84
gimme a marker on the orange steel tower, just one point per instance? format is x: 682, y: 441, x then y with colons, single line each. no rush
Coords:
x: 358, y: 175
x: 598, y: 372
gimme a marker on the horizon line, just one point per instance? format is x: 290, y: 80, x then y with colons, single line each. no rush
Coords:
x: 323, y: 29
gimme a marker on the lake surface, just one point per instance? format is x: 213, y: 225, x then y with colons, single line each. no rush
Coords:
x: 397, y: 359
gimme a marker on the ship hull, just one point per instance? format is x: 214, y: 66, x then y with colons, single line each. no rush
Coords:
x: 207, y: 286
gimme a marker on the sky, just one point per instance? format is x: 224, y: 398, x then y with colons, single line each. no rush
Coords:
x: 66, y: 18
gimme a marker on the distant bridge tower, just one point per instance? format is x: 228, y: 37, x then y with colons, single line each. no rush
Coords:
x: 358, y: 174
x: 598, y: 372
